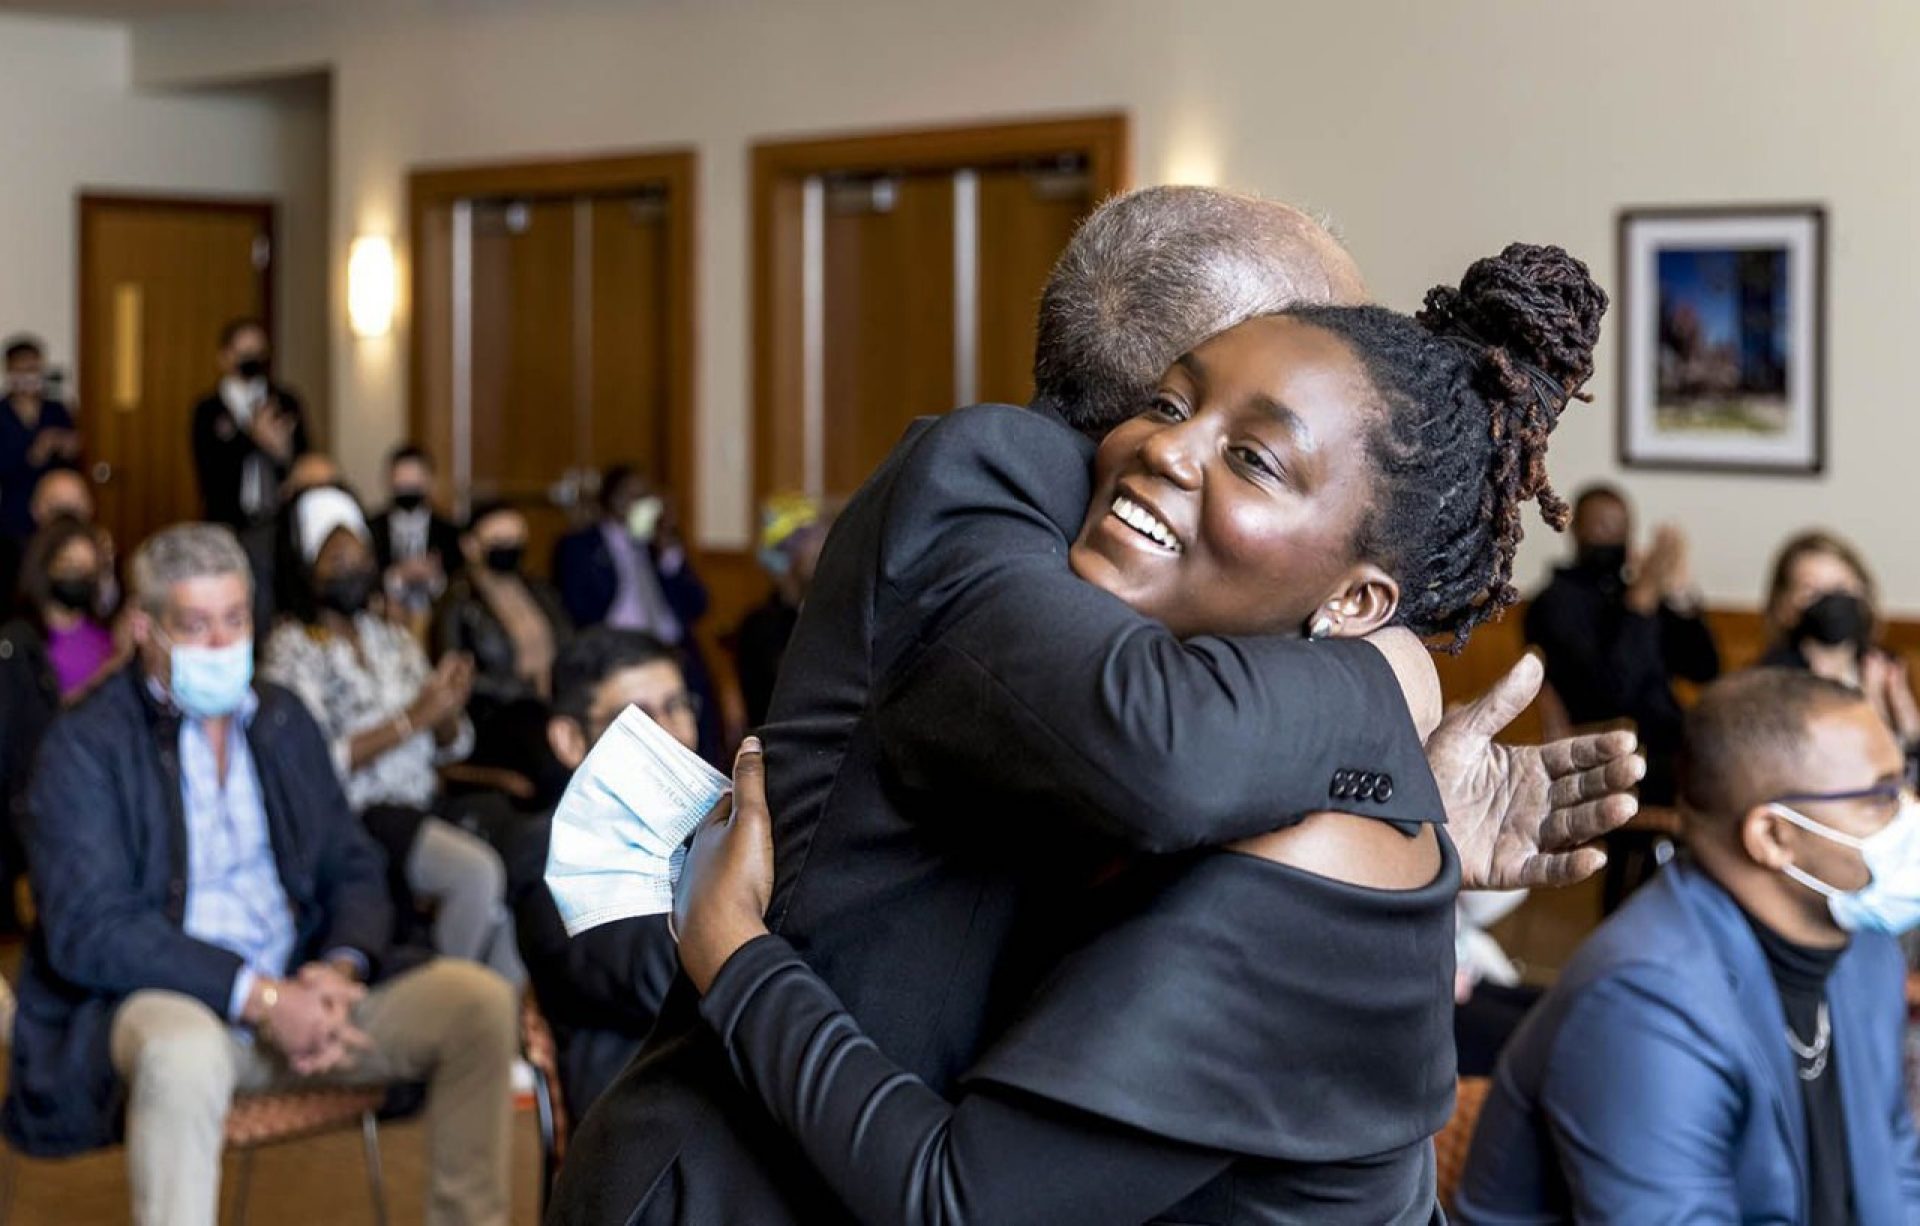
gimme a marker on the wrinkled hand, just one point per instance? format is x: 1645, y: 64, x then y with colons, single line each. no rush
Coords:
x: 1522, y: 815
x: 727, y: 882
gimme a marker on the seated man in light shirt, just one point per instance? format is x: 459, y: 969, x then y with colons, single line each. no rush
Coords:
x: 214, y: 919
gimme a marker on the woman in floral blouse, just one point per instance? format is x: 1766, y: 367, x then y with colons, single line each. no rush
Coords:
x: 392, y: 720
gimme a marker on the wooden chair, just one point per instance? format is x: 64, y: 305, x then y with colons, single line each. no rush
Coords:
x: 1451, y: 1145
x: 256, y: 1121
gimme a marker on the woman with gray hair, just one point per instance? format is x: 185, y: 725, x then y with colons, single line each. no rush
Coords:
x: 391, y: 719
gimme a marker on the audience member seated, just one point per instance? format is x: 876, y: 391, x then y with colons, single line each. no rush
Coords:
x: 37, y: 435
x: 1615, y: 629
x: 390, y: 719
x: 52, y: 654
x: 601, y: 989
x: 1728, y: 1046
x: 630, y: 570
x: 1822, y: 611
x: 65, y: 494
x: 246, y: 432
x: 418, y: 548
x: 213, y: 921
x: 510, y: 624
x: 792, y: 531
x: 1490, y: 1001
x: 270, y: 544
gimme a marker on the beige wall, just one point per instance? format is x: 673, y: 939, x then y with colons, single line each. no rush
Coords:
x: 1433, y: 132
x: 70, y: 119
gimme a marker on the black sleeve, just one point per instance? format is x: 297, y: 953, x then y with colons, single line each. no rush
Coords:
x: 1028, y: 680
x: 302, y: 441
x: 1688, y: 643
x: 612, y: 977
x: 896, y: 1152
x: 214, y: 459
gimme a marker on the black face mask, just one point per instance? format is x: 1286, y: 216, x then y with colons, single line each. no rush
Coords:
x: 409, y: 500
x: 1608, y: 560
x: 251, y: 368
x: 1835, y: 619
x: 79, y: 595
x: 347, y: 593
x: 506, y: 559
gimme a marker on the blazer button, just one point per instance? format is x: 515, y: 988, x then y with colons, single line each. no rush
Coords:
x: 1339, y: 781
x: 1383, y: 790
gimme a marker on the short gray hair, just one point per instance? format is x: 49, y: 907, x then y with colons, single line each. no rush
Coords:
x: 1153, y: 273
x: 180, y: 553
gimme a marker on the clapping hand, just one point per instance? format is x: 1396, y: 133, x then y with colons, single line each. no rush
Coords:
x: 443, y: 695
x: 1523, y: 815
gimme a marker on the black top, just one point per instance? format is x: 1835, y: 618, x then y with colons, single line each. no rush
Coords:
x: 18, y: 472
x: 963, y: 730
x: 1607, y: 662
x: 1243, y: 1042
x: 1800, y: 972
x: 220, y: 452
x: 758, y: 646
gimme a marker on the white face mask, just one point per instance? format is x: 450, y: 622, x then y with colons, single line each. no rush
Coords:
x: 1890, y: 901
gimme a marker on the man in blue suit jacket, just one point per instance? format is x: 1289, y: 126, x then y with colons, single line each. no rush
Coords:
x: 629, y: 570
x: 1728, y: 1046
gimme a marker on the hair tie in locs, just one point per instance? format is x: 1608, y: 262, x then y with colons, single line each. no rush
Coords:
x: 1552, y: 393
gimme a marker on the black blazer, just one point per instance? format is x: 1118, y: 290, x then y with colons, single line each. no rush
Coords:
x: 443, y: 541
x: 963, y: 727
x: 106, y: 846
x: 220, y: 451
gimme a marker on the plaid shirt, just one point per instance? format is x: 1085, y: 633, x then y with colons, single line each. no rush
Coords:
x: 234, y: 896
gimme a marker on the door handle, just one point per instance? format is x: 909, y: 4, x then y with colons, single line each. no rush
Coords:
x: 102, y: 472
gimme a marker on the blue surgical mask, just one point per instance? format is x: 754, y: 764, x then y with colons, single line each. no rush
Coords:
x: 1890, y: 901
x: 211, y: 682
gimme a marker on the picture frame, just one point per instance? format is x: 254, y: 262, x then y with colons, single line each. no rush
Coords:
x: 1722, y: 318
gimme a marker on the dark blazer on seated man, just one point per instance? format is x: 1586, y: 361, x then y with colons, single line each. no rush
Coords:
x: 963, y: 733
x: 1692, y: 1064
x: 109, y: 860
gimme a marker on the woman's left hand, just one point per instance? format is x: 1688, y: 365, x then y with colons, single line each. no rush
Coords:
x: 727, y: 881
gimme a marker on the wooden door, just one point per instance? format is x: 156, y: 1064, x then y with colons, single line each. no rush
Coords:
x: 888, y: 318
x: 553, y: 335
x: 1026, y: 215
x: 897, y: 274
x: 158, y: 280
x: 524, y: 439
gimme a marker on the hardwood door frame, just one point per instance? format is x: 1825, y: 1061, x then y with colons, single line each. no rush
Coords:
x: 779, y: 166
x: 676, y: 170
x: 91, y: 201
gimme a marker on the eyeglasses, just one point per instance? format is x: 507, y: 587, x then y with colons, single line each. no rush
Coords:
x: 679, y: 706
x: 1887, y: 793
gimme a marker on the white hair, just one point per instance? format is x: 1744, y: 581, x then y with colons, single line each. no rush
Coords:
x: 180, y: 553
x: 1151, y: 274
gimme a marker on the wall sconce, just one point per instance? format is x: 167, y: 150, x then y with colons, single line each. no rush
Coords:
x: 370, y: 286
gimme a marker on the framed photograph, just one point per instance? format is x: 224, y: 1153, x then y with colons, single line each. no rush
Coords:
x: 1722, y: 351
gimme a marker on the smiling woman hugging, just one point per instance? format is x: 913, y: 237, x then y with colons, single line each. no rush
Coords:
x: 1261, y: 1032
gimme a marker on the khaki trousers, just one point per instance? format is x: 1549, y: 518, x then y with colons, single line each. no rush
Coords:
x: 452, y: 1024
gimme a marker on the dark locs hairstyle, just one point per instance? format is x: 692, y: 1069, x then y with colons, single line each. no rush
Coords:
x: 1470, y: 389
